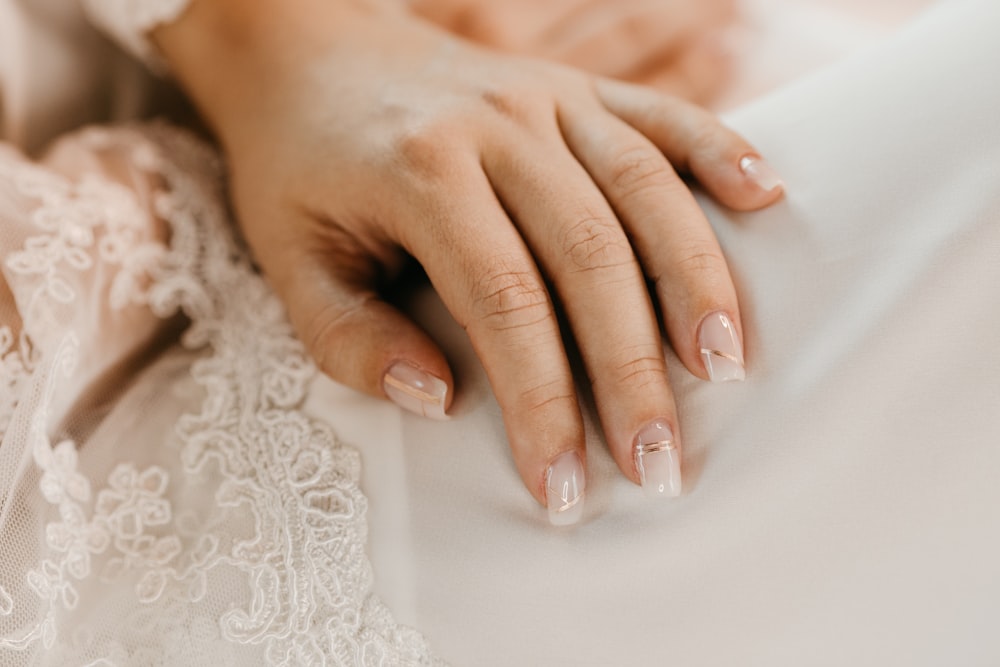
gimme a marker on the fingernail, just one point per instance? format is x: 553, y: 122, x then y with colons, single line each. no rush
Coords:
x: 412, y: 389
x: 721, y: 349
x: 564, y: 489
x: 760, y: 172
x: 658, y: 460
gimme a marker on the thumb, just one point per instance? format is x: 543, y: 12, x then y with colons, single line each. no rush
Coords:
x: 360, y: 340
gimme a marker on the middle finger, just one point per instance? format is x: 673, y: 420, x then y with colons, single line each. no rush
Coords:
x: 580, y: 245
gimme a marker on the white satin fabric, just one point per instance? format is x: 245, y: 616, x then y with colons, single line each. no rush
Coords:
x: 842, y: 506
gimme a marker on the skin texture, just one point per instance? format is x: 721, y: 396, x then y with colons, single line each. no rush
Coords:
x: 359, y: 136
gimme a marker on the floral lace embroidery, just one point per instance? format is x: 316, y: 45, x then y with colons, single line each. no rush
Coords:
x: 70, y: 216
x: 16, y: 364
x: 304, y: 559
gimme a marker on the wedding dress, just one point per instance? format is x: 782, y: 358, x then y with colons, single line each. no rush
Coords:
x: 173, y: 489
x: 163, y: 502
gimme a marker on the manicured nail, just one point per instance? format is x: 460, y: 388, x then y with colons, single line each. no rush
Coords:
x: 721, y: 349
x: 760, y: 172
x: 412, y: 389
x: 658, y: 460
x: 564, y: 489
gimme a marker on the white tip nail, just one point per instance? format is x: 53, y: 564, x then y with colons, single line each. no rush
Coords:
x: 564, y: 489
x: 658, y: 460
x: 415, y: 390
x: 721, y: 349
x: 760, y: 172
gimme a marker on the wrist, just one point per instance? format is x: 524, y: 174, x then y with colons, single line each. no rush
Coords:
x: 225, y: 51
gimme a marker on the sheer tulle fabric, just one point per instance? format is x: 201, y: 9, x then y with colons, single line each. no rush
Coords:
x: 237, y: 535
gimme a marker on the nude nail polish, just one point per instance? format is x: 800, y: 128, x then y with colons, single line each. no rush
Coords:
x: 564, y: 489
x: 415, y: 390
x: 658, y: 460
x: 760, y: 172
x: 721, y: 349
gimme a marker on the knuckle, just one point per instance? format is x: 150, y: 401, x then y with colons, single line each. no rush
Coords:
x: 549, y: 395
x: 527, y: 101
x: 645, y: 371
x: 511, y: 299
x: 702, y: 263
x: 596, y: 242
x: 636, y: 170
x: 324, y: 332
x: 506, y: 101
x: 709, y: 137
x: 422, y: 149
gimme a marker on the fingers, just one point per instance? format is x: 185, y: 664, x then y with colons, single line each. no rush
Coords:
x: 584, y: 251
x: 694, y: 140
x: 587, y: 195
x: 672, y: 238
x: 487, y: 277
x: 355, y: 337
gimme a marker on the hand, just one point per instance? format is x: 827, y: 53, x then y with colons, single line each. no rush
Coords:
x: 358, y: 138
x: 670, y: 44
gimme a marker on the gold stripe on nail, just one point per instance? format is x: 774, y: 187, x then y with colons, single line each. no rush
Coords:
x: 422, y: 396
x: 571, y: 503
x: 719, y: 353
x: 653, y: 447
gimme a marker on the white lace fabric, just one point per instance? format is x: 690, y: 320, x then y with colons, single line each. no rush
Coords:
x: 128, y: 22
x: 237, y: 535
